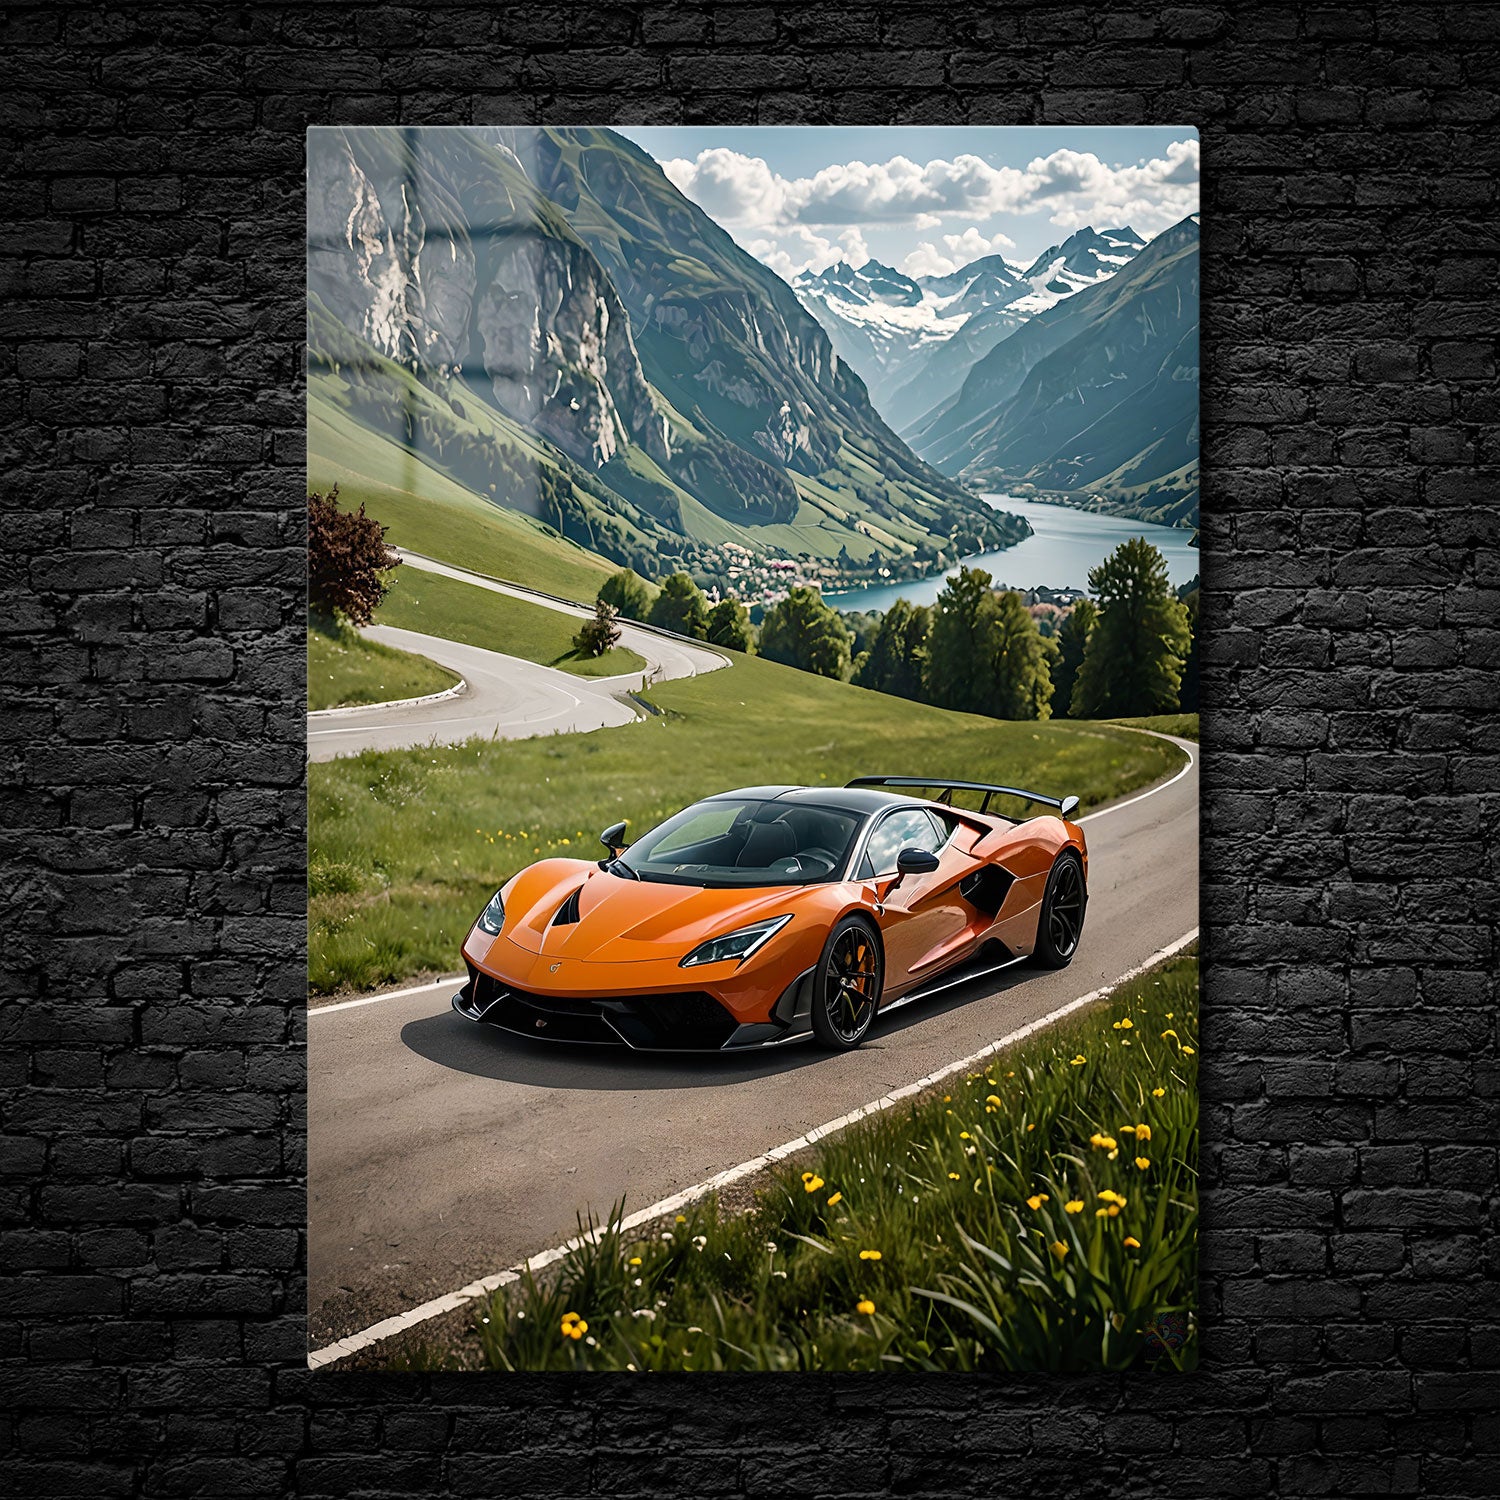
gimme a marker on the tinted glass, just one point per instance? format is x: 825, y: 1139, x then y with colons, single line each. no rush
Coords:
x: 910, y: 828
x: 734, y: 842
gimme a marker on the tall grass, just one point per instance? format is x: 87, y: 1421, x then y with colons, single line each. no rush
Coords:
x: 1040, y: 1214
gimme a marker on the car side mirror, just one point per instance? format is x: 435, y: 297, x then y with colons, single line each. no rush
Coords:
x: 613, y: 838
x: 1069, y: 807
x: 911, y: 861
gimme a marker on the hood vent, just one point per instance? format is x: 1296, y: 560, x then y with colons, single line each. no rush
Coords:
x: 567, y: 913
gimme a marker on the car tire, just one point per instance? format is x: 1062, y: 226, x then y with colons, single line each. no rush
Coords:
x: 847, y: 985
x: 1059, y: 925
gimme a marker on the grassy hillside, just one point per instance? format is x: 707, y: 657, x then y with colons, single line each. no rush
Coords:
x: 344, y: 669
x: 407, y: 845
x: 463, y: 612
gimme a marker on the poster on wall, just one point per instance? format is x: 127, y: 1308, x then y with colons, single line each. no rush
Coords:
x: 752, y: 720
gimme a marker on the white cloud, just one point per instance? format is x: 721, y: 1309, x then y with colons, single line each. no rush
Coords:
x: 1073, y: 187
x: 957, y: 250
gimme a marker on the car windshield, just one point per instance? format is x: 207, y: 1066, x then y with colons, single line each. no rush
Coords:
x: 733, y: 841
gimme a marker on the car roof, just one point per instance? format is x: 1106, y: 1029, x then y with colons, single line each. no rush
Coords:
x: 860, y: 799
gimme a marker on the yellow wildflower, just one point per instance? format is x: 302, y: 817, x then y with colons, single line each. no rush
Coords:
x: 635, y: 1260
x: 993, y: 1099
x: 1169, y: 1032
x: 953, y: 1177
x: 573, y: 1327
x: 1078, y: 1061
x: 1143, y: 1132
x: 1036, y: 1200
x: 837, y: 1198
x: 1131, y: 1243
x: 1103, y: 1142
x: 1074, y: 1205
x: 963, y: 1135
x: 1158, y: 1093
x: 865, y: 1306
x: 1143, y: 1162
x: 1188, y: 1051
x: 869, y: 1255
x: 812, y: 1184
x: 1059, y: 1249
x: 1031, y: 1127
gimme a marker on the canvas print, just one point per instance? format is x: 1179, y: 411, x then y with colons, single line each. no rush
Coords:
x: 752, y: 720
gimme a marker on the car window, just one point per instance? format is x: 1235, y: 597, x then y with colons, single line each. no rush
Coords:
x: 697, y: 824
x: 910, y: 828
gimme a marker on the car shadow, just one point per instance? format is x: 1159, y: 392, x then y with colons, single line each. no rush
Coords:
x: 452, y: 1042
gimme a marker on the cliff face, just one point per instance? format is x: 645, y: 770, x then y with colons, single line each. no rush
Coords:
x: 527, y: 314
x: 561, y: 280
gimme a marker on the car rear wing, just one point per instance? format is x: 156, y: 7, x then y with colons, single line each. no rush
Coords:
x: 1066, y: 806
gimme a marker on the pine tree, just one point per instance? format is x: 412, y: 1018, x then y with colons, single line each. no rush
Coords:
x: 1072, y: 639
x: 1133, y: 664
x: 959, y: 648
x: 1020, y: 684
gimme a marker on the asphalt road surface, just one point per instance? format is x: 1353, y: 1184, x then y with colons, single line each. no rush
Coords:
x: 505, y: 696
x: 441, y: 1151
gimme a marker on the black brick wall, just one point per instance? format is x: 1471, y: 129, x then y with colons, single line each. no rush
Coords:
x: 151, y: 1334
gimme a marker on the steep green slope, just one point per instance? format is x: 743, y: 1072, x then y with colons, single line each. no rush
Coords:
x: 579, y: 342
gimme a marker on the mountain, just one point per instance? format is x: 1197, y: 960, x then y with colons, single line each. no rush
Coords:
x: 542, y: 316
x: 915, y: 339
x: 1096, y: 397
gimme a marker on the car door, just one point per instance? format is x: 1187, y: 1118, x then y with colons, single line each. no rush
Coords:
x: 923, y: 917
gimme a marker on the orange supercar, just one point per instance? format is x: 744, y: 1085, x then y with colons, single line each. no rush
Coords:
x: 775, y: 913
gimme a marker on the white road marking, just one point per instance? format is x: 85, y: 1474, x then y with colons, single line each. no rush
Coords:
x: 1184, y: 745
x: 324, y: 1010
x: 376, y: 1332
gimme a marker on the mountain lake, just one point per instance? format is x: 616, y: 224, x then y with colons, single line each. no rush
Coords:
x: 1065, y: 543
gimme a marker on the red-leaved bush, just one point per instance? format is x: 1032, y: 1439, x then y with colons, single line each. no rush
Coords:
x: 346, y: 554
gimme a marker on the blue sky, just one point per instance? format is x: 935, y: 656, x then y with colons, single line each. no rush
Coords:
x: 925, y: 199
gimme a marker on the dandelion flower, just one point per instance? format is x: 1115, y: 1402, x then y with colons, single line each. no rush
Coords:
x: 1074, y: 1205
x: 865, y: 1306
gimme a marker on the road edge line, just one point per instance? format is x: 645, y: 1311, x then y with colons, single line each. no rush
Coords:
x: 399, y: 1322
x: 319, y: 714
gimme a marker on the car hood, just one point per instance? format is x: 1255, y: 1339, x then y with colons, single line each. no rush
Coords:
x: 628, y: 921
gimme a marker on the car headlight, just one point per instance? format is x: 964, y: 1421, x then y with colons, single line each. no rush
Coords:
x: 737, y: 945
x: 492, y: 918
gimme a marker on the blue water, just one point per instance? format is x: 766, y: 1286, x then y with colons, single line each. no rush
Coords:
x: 1064, y: 545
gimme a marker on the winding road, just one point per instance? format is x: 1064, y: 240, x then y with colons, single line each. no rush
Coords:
x: 441, y: 1152
x: 505, y: 697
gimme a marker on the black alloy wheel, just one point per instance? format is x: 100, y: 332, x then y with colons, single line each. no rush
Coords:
x: 847, y: 985
x: 1060, y: 924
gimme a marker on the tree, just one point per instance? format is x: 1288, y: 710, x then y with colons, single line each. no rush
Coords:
x: 346, y: 556
x: 1072, y: 638
x: 959, y: 647
x: 729, y: 625
x: 599, y: 633
x: 1187, y: 696
x: 680, y: 606
x: 805, y: 633
x: 1020, y: 684
x: 628, y: 593
x: 1133, y: 663
x: 897, y: 658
